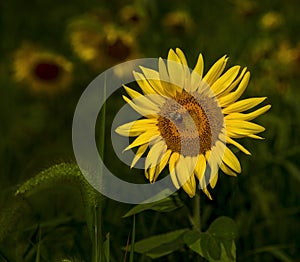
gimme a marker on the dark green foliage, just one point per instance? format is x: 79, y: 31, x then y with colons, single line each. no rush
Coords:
x: 48, y: 216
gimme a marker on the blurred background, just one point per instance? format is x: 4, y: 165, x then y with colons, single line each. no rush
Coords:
x: 51, y: 50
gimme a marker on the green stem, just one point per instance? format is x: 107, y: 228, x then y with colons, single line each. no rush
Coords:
x: 197, y: 217
x: 97, y: 209
x: 95, y: 244
x: 97, y: 238
x: 197, y: 213
x: 102, y: 124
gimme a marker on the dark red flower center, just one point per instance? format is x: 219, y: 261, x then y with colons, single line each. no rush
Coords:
x: 47, y: 71
x: 118, y: 50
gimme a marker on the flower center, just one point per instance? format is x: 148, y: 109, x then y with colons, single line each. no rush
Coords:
x: 118, y: 50
x: 190, y: 123
x: 47, y: 71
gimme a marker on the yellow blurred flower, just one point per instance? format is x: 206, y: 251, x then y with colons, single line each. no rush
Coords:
x: 271, y: 20
x: 178, y: 22
x: 133, y: 18
x: 285, y: 54
x: 245, y: 8
x: 86, y: 43
x: 104, y: 46
x: 119, y: 44
x: 42, y: 71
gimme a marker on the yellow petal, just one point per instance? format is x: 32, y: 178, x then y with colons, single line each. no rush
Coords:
x: 215, y: 71
x: 236, y: 144
x: 141, y: 100
x: 190, y: 186
x: 164, y: 160
x: 153, y: 159
x: 225, y: 80
x: 183, y: 170
x: 152, y: 77
x: 200, y: 167
x: 143, y: 83
x: 249, y: 116
x: 181, y: 56
x: 213, y: 180
x: 143, y: 139
x: 186, y: 69
x: 243, y: 105
x: 231, y: 160
x: 227, y: 170
x: 213, y: 162
x: 154, y: 154
x: 243, y: 127
x: 197, y: 73
x: 168, y: 87
x: 137, y: 127
x: 255, y: 136
x: 173, y: 160
x: 235, y: 82
x: 141, y: 150
x: 148, y: 90
x: 176, y: 72
x: 140, y: 109
x: 204, y: 189
x: 132, y: 93
x: 232, y: 97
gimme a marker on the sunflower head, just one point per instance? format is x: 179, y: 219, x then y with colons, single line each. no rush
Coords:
x: 178, y: 22
x: 120, y: 45
x: 133, y: 17
x: 42, y: 71
x: 86, y: 43
x: 188, y: 120
x: 101, y: 45
x: 271, y: 20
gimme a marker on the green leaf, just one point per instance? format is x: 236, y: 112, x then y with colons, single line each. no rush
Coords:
x: 193, y: 240
x: 167, y: 204
x: 292, y: 169
x: 161, y: 245
x: 281, y: 255
x: 223, y: 228
x: 106, y: 248
x: 203, y: 244
x: 217, y: 244
x: 212, y: 250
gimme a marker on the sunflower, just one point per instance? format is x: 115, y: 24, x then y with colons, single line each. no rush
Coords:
x: 86, y: 43
x: 271, y: 20
x: 43, y: 71
x: 133, y: 17
x: 103, y: 45
x: 189, y: 119
x: 178, y: 22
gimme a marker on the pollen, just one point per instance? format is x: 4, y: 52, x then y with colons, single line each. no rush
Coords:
x: 189, y: 123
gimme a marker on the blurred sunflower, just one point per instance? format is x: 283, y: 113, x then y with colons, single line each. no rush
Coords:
x: 178, y: 22
x: 245, y: 8
x: 119, y: 45
x: 43, y: 71
x: 104, y: 46
x: 271, y: 20
x: 133, y: 18
x: 86, y: 43
x: 189, y: 119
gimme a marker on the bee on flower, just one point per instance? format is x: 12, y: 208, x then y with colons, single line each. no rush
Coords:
x: 189, y: 119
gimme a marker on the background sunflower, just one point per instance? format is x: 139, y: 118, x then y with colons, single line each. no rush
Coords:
x: 36, y: 131
x: 42, y: 71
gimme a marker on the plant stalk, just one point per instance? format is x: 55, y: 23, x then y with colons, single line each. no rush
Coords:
x: 97, y: 209
x: 197, y: 213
